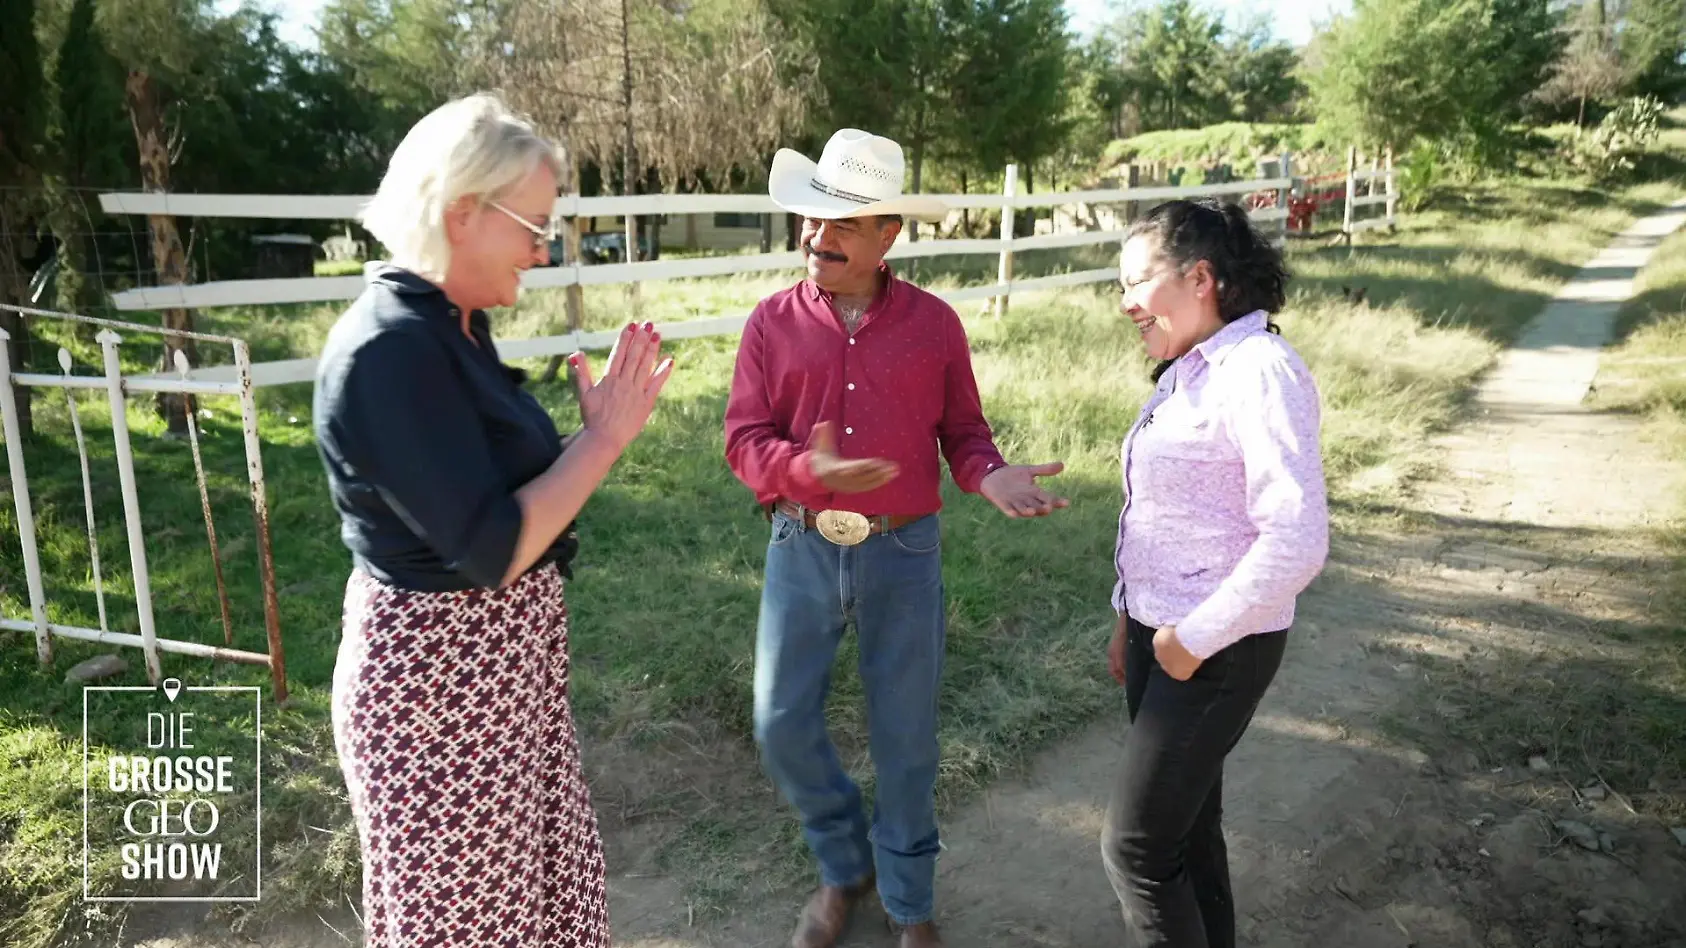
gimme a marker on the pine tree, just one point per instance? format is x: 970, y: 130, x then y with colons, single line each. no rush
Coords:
x: 22, y: 122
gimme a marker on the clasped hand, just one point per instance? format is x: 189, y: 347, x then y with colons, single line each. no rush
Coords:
x: 618, y: 405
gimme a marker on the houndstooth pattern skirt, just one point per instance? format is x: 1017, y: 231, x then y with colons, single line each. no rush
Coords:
x: 451, y: 720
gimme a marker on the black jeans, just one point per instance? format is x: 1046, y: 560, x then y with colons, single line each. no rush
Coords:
x: 1163, y: 844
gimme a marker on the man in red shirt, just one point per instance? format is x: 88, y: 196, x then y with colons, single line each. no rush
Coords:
x: 846, y: 387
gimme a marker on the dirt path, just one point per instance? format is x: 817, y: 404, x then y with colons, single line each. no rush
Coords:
x: 1339, y: 834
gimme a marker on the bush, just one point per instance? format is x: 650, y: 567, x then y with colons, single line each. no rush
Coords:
x: 1613, y: 149
x: 1233, y: 143
x: 1422, y: 172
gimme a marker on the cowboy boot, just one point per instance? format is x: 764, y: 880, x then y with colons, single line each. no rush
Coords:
x: 827, y: 913
x: 922, y: 935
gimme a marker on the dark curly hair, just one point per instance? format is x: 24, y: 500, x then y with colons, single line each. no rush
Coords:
x: 1248, y: 270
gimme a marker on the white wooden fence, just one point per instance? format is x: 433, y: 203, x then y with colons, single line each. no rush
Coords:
x: 1273, y: 209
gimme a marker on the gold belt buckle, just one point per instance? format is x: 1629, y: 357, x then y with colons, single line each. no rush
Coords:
x: 843, y: 527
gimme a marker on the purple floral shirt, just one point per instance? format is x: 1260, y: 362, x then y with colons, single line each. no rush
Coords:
x: 1225, y: 517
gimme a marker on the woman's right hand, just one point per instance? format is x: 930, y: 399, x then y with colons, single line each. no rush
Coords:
x: 617, y: 406
x: 1115, y: 651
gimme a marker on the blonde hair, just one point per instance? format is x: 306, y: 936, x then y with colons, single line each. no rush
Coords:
x: 473, y: 146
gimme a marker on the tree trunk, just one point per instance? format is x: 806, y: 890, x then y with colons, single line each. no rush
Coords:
x: 628, y: 180
x: 168, y: 257
x: 14, y: 288
x: 918, y: 165
x: 1026, y: 221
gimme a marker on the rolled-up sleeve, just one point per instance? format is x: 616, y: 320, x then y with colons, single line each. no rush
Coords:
x: 405, y: 422
x: 1274, y: 419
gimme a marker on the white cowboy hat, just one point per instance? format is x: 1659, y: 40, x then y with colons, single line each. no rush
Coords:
x: 858, y: 175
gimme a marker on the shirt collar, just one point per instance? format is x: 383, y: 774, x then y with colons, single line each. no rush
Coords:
x: 1214, y: 349
x: 886, y: 293
x: 399, y: 280
x: 429, y: 297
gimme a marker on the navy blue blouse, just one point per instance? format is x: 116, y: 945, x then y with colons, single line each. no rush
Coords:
x: 425, y: 437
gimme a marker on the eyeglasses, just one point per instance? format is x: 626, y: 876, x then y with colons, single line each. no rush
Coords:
x: 542, y: 236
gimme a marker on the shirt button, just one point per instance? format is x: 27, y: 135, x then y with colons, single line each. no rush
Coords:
x: 851, y: 386
x: 848, y: 431
x: 851, y: 340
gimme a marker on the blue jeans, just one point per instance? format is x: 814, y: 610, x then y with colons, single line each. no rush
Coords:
x: 890, y: 588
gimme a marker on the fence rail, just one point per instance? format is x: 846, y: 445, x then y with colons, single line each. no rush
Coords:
x: 325, y: 289
x: 295, y: 371
x: 1269, y: 201
x: 348, y: 206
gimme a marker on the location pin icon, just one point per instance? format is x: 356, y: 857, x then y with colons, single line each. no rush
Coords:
x: 172, y: 687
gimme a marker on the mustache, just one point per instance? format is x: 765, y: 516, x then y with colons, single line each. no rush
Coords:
x: 808, y: 249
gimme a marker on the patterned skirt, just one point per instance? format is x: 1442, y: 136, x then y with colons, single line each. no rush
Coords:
x: 452, y: 724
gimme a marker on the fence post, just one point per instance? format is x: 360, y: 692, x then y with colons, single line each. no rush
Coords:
x: 634, y: 302
x: 20, y: 498
x: 574, y: 295
x: 108, y: 341
x: 1285, y: 196
x: 1351, y: 192
x: 574, y: 299
x: 1004, y: 275
x: 1131, y: 182
x: 1392, y: 192
x: 260, y: 519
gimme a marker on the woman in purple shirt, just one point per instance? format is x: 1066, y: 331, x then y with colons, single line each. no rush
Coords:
x: 1224, y: 523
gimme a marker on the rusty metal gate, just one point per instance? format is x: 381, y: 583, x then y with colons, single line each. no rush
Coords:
x: 116, y: 388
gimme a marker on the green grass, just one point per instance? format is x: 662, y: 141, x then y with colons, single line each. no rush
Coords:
x: 328, y: 268
x: 1645, y: 374
x: 1487, y: 256
x: 666, y: 586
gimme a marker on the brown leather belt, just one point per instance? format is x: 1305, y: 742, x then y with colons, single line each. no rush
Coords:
x: 843, y: 527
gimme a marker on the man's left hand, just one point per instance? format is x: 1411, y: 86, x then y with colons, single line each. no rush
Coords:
x: 1177, y: 661
x: 1014, y: 491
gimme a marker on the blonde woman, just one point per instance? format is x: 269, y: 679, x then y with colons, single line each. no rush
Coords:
x: 457, y: 497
